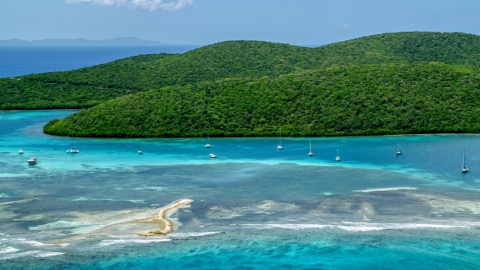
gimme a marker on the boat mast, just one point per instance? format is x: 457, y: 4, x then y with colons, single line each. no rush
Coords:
x: 280, y: 136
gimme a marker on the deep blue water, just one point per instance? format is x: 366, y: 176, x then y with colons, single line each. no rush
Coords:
x: 254, y: 207
x: 16, y: 61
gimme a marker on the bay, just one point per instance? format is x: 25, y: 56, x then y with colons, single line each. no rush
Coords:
x: 254, y: 206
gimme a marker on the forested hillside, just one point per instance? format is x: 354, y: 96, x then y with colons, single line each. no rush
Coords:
x: 354, y: 100
x: 233, y: 59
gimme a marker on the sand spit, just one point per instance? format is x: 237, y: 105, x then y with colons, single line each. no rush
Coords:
x: 161, y: 219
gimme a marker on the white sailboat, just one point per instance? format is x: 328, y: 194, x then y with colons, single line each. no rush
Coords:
x: 398, y: 150
x: 21, y: 150
x: 310, y: 153
x: 208, y: 144
x: 212, y: 156
x: 73, y: 150
x: 280, y: 147
x: 139, y: 149
x: 464, y: 167
x: 337, y: 159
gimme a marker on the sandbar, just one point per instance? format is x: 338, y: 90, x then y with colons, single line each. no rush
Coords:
x: 161, y: 218
x: 165, y: 224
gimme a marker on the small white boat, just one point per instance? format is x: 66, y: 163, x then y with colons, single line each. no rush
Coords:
x: 212, y: 156
x: 32, y: 161
x: 337, y: 159
x: 208, y: 144
x: 139, y: 151
x: 398, y: 150
x: 464, y: 167
x: 73, y: 150
x: 310, y: 153
x: 20, y: 151
x: 280, y: 147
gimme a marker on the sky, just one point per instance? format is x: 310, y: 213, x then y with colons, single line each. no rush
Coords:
x: 202, y: 22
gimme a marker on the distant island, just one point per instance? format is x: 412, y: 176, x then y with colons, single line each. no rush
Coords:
x: 394, y: 83
x: 123, y: 41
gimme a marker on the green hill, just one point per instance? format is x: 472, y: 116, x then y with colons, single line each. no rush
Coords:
x: 355, y: 100
x: 240, y: 59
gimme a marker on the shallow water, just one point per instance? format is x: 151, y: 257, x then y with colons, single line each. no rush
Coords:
x: 254, y: 207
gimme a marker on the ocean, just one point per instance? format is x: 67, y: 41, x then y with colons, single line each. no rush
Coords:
x: 17, y: 61
x: 253, y: 207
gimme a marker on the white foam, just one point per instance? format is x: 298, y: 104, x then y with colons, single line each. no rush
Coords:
x: 192, y: 234
x: 363, y: 227
x: 385, y: 189
x: 29, y: 242
x: 20, y: 255
x: 289, y: 226
x: 360, y: 228
x: 151, y: 188
x: 137, y: 201
x: 106, y: 243
x: 90, y: 199
x: 19, y: 201
x: 49, y: 254
x: 8, y: 250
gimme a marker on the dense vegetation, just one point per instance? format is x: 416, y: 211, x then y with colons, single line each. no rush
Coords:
x: 234, y: 59
x: 355, y: 100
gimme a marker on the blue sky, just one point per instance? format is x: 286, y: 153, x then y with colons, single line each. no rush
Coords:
x: 299, y: 22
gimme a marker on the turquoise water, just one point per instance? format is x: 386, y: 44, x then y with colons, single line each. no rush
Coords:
x: 254, y: 207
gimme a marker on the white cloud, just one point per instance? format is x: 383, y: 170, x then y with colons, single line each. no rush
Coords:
x: 151, y: 5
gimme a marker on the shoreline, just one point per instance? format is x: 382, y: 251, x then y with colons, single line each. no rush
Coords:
x: 324, y: 136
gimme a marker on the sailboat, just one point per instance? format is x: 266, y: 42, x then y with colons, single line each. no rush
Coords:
x: 73, y: 150
x: 280, y: 147
x: 139, y: 149
x: 208, y: 144
x: 464, y: 168
x: 337, y: 159
x: 310, y: 153
x: 32, y: 161
x: 398, y: 150
x: 21, y: 150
